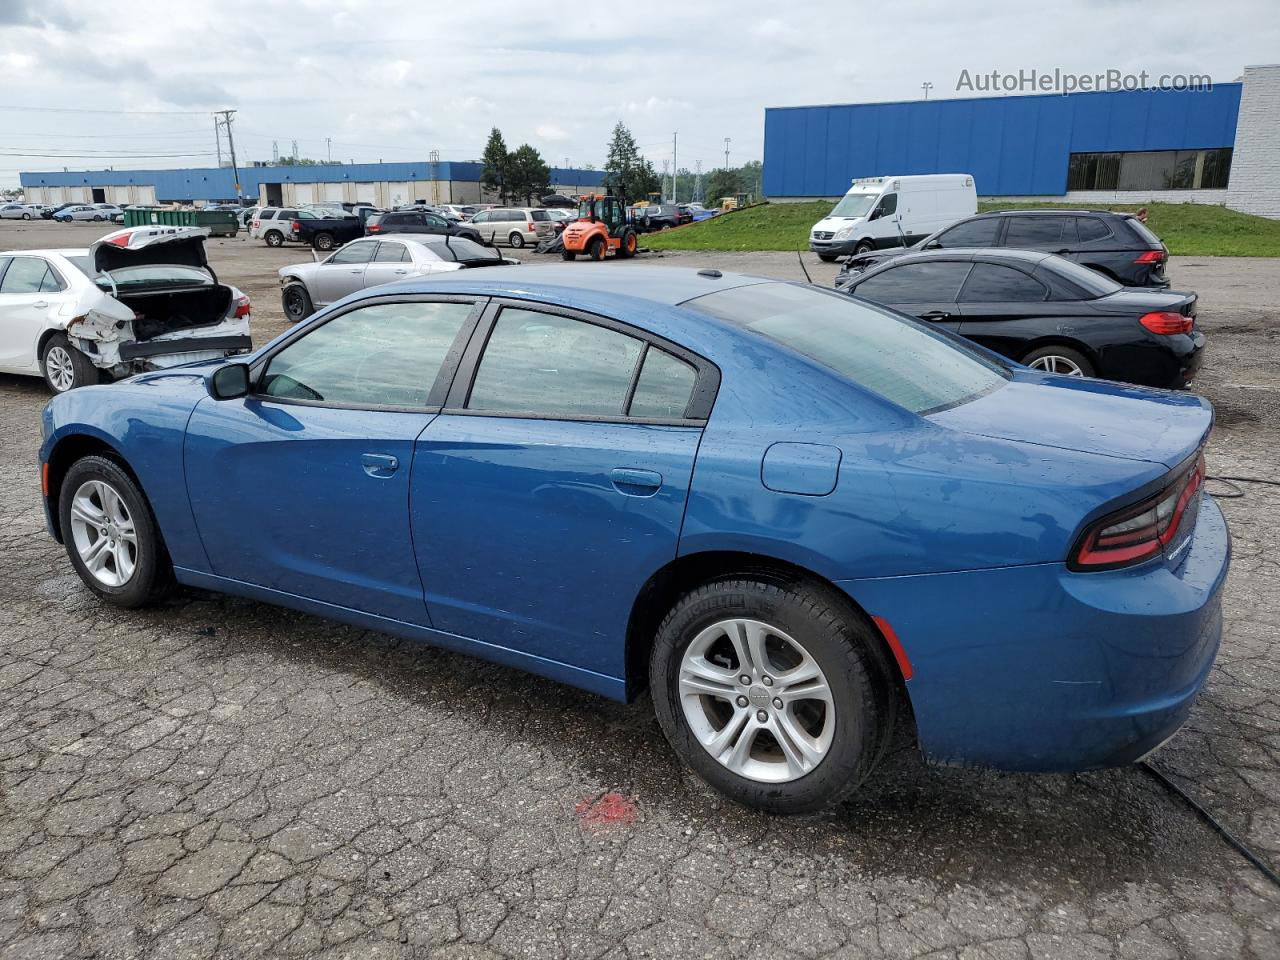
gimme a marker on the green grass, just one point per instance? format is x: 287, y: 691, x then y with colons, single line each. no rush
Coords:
x: 1188, y: 229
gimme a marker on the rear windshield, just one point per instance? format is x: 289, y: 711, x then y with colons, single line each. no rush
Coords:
x: 1093, y: 283
x: 897, y: 357
x: 153, y: 274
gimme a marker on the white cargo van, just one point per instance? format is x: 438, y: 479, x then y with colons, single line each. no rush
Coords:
x: 893, y: 212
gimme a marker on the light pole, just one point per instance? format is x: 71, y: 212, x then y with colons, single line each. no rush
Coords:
x: 926, y: 86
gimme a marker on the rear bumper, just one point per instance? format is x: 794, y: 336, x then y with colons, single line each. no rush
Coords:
x: 1036, y: 668
x: 231, y: 344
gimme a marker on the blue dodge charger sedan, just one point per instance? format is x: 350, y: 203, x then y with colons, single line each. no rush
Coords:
x: 788, y: 513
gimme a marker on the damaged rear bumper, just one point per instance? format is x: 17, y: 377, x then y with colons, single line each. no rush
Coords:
x: 241, y: 343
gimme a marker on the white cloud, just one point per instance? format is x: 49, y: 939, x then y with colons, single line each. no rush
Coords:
x: 549, y: 131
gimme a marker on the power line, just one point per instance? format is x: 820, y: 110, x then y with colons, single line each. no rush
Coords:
x: 108, y: 156
x: 131, y: 113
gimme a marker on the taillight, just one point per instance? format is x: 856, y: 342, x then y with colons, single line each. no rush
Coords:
x: 1140, y: 532
x: 531, y: 228
x: 242, y: 307
x: 374, y: 228
x: 295, y: 226
x: 1167, y: 323
x: 1151, y: 256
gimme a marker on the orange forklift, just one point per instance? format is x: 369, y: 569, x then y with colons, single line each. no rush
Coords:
x: 603, y: 224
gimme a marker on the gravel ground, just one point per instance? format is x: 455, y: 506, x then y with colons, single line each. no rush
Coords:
x: 220, y: 778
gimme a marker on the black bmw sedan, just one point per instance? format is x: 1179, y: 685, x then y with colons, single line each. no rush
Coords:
x: 1044, y: 311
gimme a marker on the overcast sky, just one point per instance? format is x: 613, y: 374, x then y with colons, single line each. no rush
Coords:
x: 394, y: 81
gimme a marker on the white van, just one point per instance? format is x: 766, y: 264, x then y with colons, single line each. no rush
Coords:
x: 893, y: 212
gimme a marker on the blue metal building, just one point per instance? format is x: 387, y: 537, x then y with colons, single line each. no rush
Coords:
x: 1013, y: 146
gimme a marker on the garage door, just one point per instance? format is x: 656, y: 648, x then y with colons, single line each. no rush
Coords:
x: 147, y: 195
x: 304, y: 193
x: 331, y: 191
x: 367, y: 193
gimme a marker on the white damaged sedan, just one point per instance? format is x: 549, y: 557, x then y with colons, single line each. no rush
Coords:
x: 142, y: 298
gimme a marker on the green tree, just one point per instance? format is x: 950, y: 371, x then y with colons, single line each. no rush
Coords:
x: 626, y: 173
x: 527, y: 174
x: 722, y: 183
x: 299, y: 162
x: 497, y: 165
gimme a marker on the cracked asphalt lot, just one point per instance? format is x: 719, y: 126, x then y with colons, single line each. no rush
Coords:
x: 220, y: 778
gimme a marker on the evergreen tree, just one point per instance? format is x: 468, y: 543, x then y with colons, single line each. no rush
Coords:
x: 626, y: 173
x: 497, y: 165
x: 527, y: 174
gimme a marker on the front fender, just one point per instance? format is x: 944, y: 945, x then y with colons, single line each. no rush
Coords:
x: 144, y: 422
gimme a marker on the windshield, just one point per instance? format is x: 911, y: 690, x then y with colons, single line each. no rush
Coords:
x: 150, y: 274
x: 897, y: 357
x: 461, y: 249
x: 854, y: 205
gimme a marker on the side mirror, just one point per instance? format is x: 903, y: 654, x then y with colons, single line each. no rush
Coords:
x: 229, y: 381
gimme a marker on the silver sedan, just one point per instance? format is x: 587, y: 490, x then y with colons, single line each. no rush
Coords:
x: 370, y: 261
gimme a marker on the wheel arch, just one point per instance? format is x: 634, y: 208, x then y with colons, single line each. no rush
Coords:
x: 69, y: 449
x: 661, y: 591
x: 1061, y: 340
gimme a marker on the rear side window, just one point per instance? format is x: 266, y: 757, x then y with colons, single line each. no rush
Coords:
x: 993, y: 283
x: 972, y: 233
x: 1035, y: 231
x: 391, y: 253
x: 551, y: 366
x: 387, y: 354
x: 664, y: 388
x: 1091, y: 228
x: 899, y: 358
x: 916, y: 283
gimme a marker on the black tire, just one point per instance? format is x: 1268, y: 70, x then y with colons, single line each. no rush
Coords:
x: 58, y: 354
x: 152, y: 576
x: 1083, y: 363
x: 845, y: 646
x: 274, y: 238
x: 828, y: 257
x: 98, y: 218
x: 596, y: 248
x: 26, y: 216
x: 627, y: 243
x: 568, y: 255
x: 864, y: 246
x: 516, y: 239
x: 323, y: 241
x: 296, y: 302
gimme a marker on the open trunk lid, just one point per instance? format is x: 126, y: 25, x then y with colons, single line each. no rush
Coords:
x: 145, y: 246
x: 1094, y: 416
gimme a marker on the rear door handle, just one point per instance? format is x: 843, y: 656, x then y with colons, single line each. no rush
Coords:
x: 402, y: 270
x: 636, y: 483
x: 379, y: 465
x: 935, y: 315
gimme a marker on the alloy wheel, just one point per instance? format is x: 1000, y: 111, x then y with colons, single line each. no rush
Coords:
x: 1052, y: 363
x: 60, y: 368
x: 757, y: 701
x: 103, y: 533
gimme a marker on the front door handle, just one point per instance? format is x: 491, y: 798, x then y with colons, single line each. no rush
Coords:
x: 40, y: 304
x: 361, y: 270
x: 402, y: 270
x: 935, y: 315
x: 379, y: 465
x: 636, y: 483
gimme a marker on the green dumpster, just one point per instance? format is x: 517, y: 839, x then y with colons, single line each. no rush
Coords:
x: 221, y: 223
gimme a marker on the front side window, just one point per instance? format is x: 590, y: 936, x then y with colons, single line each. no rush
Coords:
x: 888, y: 204
x: 387, y: 354
x: 971, y: 233
x: 934, y: 282
x: 353, y: 253
x: 437, y: 223
x: 481, y: 217
x: 993, y: 283
x: 901, y: 359
x: 552, y: 366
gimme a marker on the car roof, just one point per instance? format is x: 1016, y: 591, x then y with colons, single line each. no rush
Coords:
x: 560, y: 282
x: 986, y: 254
x: 1053, y: 211
x: 59, y: 252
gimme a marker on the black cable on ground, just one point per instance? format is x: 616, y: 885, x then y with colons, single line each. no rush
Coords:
x: 1269, y: 483
x: 1236, y: 495
x: 1263, y: 868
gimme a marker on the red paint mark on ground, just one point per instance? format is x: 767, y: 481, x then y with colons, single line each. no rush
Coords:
x: 611, y: 809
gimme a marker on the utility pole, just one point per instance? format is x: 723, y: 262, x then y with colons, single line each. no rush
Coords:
x: 664, y: 173
x: 697, y: 181
x: 726, y: 153
x: 217, y: 139
x: 674, y: 170
x: 328, y: 148
x: 231, y: 146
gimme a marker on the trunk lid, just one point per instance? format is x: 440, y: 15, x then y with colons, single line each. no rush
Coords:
x: 1092, y: 416
x: 1137, y: 301
x: 146, y: 246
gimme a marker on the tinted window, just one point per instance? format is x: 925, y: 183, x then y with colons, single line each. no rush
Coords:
x: 28, y: 275
x: 460, y: 248
x: 554, y: 366
x: 1034, y: 231
x: 539, y: 215
x: 899, y: 358
x: 916, y: 283
x: 431, y: 220
x: 1090, y: 282
x: 1091, y: 228
x: 888, y: 204
x: 287, y: 215
x: 971, y: 233
x: 664, y: 388
x: 386, y: 354
x: 354, y: 253
x: 392, y: 253
x: 992, y: 283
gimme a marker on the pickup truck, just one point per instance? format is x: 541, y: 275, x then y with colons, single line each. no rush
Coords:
x: 276, y: 226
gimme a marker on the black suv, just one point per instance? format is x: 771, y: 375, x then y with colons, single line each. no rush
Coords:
x: 417, y: 221
x: 1118, y: 245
